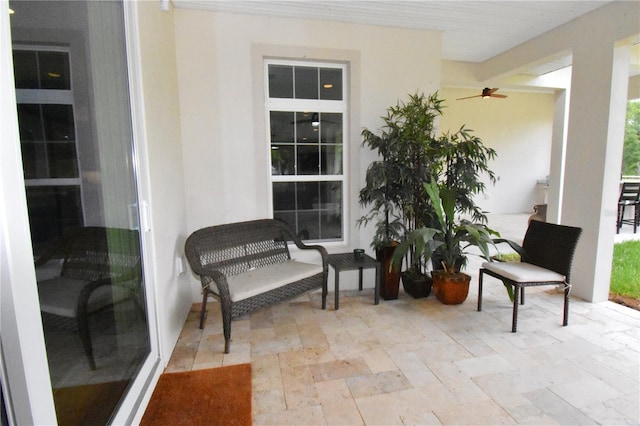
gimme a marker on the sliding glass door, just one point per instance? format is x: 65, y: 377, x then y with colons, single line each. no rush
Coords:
x: 75, y: 130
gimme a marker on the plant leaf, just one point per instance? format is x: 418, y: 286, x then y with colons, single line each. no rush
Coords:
x: 509, y: 288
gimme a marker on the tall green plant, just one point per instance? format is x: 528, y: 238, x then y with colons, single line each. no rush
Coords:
x: 465, y: 159
x: 412, y: 155
x: 393, y: 189
x: 413, y: 122
x: 382, y: 191
x: 456, y: 236
x: 447, y: 237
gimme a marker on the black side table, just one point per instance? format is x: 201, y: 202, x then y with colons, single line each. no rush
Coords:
x: 348, y: 262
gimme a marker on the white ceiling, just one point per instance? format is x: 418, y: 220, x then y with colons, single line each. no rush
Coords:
x: 471, y: 30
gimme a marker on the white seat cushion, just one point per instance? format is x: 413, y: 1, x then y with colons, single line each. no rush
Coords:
x: 522, y: 272
x: 261, y: 280
x: 59, y: 296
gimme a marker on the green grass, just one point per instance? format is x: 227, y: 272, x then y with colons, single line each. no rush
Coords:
x: 625, y: 273
x: 507, y: 257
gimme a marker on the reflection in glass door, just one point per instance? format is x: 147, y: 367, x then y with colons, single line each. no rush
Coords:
x: 48, y: 142
x: 75, y: 136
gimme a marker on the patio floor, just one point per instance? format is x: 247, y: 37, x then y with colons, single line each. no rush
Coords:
x: 416, y: 361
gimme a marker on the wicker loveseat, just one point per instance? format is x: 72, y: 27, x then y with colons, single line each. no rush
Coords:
x: 247, y: 265
x: 100, y: 268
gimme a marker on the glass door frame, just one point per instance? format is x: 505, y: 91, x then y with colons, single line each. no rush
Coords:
x: 140, y: 391
x: 23, y: 368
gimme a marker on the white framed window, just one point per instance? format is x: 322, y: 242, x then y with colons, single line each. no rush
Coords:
x: 45, y: 101
x: 306, y: 110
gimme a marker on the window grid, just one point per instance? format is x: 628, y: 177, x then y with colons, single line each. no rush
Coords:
x: 48, y: 140
x: 323, y: 203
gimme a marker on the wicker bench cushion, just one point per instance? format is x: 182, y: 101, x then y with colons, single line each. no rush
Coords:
x: 523, y: 272
x: 261, y: 280
x: 59, y: 296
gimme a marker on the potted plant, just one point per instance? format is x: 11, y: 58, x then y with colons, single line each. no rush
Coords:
x: 382, y: 192
x: 412, y: 155
x: 394, y: 185
x: 459, y: 160
x: 448, y: 238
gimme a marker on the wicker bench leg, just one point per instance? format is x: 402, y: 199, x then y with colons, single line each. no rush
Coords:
x: 226, y: 329
x: 85, y: 336
x: 203, y: 311
x: 324, y: 293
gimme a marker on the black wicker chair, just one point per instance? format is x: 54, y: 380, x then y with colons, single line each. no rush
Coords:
x: 547, y: 254
x: 100, y: 268
x: 247, y: 265
x: 629, y: 197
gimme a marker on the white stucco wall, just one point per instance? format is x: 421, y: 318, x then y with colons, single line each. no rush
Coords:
x: 519, y: 128
x: 219, y: 59
x: 163, y: 182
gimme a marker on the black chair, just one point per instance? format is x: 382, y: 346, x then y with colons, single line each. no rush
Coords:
x: 100, y: 268
x: 546, y: 253
x: 629, y: 197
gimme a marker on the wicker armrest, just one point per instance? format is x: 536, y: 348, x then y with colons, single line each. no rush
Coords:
x: 219, y: 280
x: 302, y: 246
x: 85, y: 293
x: 54, y: 250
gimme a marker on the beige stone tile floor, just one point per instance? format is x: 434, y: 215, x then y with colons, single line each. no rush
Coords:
x: 415, y: 361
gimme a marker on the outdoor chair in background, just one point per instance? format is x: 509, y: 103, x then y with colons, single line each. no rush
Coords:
x: 540, y: 213
x: 100, y: 268
x: 546, y: 257
x: 629, y: 197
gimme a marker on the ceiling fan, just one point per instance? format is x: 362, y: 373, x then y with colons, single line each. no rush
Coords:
x: 486, y: 93
x: 314, y: 120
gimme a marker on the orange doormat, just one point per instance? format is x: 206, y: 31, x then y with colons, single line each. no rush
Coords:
x: 215, y: 396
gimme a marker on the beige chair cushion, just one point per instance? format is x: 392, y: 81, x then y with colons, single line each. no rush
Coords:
x: 59, y: 296
x: 261, y: 280
x: 522, y: 272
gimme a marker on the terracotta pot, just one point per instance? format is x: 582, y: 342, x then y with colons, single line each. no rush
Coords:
x: 450, y: 289
x: 436, y: 262
x: 390, y: 284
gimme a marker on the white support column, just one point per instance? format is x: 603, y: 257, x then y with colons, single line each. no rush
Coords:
x: 594, y: 152
x: 558, y: 155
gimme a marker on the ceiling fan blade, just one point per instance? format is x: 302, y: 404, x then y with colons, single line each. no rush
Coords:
x: 469, y: 97
x: 308, y: 120
x: 486, y: 93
